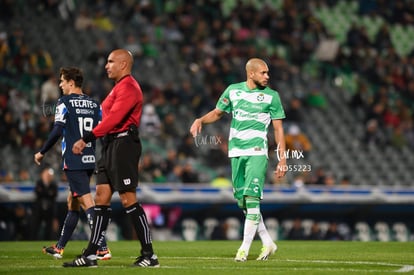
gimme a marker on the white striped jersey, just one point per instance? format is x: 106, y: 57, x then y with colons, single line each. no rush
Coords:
x: 252, y: 112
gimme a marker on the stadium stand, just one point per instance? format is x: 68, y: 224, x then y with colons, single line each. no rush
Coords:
x: 176, y: 47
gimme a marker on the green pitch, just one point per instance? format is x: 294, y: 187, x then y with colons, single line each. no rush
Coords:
x: 216, y: 257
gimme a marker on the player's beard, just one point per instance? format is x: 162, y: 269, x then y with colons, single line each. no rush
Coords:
x: 259, y: 85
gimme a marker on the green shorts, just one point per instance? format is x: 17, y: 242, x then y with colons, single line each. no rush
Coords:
x: 248, y: 176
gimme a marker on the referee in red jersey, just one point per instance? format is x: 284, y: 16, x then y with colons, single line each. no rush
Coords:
x: 117, y: 169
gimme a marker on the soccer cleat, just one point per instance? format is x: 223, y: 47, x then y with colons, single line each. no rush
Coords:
x: 53, y: 251
x: 241, y: 256
x: 104, y: 255
x: 145, y: 261
x: 266, y: 252
x: 81, y: 261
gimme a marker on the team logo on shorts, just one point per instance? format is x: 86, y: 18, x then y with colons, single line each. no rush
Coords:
x: 256, y: 182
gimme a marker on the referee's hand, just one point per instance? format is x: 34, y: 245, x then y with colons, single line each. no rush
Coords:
x: 78, y: 147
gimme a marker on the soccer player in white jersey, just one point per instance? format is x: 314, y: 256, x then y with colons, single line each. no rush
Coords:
x: 253, y: 106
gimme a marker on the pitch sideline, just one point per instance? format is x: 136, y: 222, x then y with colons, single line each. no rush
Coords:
x: 402, y: 268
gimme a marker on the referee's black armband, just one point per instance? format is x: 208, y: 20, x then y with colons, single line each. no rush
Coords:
x: 88, y: 137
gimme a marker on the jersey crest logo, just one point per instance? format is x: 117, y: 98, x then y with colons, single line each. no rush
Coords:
x: 260, y: 97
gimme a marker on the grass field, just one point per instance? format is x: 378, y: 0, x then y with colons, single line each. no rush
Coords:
x: 216, y: 257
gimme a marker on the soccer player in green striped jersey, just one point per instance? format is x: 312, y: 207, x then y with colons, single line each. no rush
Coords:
x: 253, y: 106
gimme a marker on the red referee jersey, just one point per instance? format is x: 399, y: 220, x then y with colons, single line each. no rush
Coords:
x: 121, y: 108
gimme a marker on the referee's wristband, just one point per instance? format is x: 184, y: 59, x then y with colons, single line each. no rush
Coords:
x: 88, y: 137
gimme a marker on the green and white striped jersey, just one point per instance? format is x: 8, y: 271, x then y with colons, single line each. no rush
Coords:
x: 252, y: 112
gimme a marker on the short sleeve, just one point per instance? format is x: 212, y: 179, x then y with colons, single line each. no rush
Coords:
x: 276, y: 109
x: 224, y: 103
x: 61, y: 112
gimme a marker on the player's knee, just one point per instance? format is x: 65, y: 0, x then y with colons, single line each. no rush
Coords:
x: 254, y: 217
x: 252, y: 202
x: 74, y: 205
x: 253, y: 209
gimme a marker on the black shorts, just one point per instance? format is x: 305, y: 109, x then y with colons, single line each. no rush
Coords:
x: 118, y: 164
x: 79, y: 181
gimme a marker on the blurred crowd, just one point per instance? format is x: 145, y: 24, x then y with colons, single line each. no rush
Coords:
x: 210, y: 41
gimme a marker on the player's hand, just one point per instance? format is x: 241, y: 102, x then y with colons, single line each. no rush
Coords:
x: 195, y: 128
x: 38, y: 157
x: 78, y: 147
x: 280, y: 169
